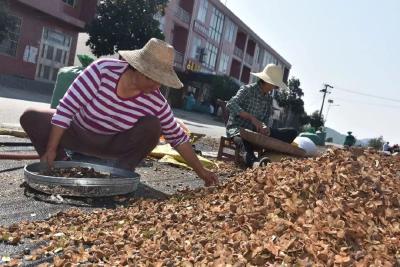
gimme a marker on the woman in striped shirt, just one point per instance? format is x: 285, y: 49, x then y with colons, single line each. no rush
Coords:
x: 114, y: 109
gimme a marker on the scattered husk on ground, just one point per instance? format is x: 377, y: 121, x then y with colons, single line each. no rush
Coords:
x: 341, y: 209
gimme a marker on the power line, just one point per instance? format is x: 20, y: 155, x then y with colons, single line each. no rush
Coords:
x: 368, y: 103
x: 369, y: 95
x: 330, y: 101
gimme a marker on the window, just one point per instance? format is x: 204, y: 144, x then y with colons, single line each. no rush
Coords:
x: 50, y: 52
x: 57, y: 38
x: 266, y: 58
x: 216, y: 24
x: 58, y: 55
x: 201, y: 16
x: 46, y: 72
x: 196, y: 46
x: 65, y: 58
x: 223, y: 63
x: 70, y: 2
x: 269, y: 59
x: 260, y: 56
x: 230, y: 31
x: 280, y: 64
x: 256, y: 53
x: 54, y: 75
x: 211, y: 56
x: 9, y: 45
x: 54, y: 54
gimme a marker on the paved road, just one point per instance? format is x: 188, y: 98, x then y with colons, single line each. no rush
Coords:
x: 18, y: 202
x: 13, y: 102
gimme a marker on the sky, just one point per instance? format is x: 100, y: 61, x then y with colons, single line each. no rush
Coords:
x: 352, y: 45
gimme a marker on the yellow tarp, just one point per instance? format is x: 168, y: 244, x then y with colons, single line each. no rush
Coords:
x: 173, y: 161
x: 167, y: 154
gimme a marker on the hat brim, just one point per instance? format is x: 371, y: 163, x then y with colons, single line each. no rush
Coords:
x: 268, y: 79
x: 164, y: 76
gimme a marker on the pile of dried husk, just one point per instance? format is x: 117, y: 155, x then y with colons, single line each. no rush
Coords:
x: 342, y: 209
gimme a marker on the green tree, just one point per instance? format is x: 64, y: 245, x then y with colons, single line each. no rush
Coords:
x: 288, y: 97
x: 291, y: 101
x: 7, y: 22
x: 315, y: 120
x: 223, y: 87
x: 304, y: 119
x: 124, y: 25
x: 376, y: 143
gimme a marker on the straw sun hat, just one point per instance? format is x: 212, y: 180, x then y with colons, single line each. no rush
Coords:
x: 156, y: 61
x: 272, y: 74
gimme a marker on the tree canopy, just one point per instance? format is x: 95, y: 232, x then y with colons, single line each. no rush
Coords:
x: 7, y: 21
x: 315, y: 120
x: 376, y: 143
x: 124, y: 25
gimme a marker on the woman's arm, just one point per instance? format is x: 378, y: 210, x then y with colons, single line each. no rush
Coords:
x: 52, y: 145
x: 187, y: 153
x: 81, y: 91
x: 175, y: 135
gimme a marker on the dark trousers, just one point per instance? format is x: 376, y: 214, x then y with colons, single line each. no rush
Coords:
x: 284, y: 134
x: 128, y: 148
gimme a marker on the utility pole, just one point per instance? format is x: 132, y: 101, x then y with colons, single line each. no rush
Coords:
x: 330, y: 104
x: 325, y: 91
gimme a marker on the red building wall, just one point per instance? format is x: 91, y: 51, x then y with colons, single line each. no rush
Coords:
x: 180, y: 38
x: 33, y: 22
x: 83, y: 11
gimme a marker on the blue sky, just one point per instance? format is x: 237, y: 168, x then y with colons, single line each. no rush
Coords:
x: 352, y: 45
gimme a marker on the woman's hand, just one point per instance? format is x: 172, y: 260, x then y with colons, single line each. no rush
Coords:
x: 48, y: 158
x: 208, y: 177
x: 190, y: 157
x: 51, y: 151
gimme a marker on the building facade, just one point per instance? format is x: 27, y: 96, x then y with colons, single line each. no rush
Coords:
x: 209, y: 38
x: 45, y: 37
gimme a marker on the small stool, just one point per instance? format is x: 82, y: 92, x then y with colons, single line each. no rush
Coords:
x: 227, y: 143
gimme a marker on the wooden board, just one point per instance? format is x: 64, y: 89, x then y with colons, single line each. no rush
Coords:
x: 11, y: 132
x: 271, y: 143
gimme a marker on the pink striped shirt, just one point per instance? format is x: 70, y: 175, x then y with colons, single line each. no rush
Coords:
x: 92, y: 102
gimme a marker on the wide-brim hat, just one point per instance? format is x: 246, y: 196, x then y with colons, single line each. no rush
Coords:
x: 156, y: 61
x: 272, y: 74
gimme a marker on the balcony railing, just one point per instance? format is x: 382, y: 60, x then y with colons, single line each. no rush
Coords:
x: 248, y: 59
x: 238, y: 52
x: 182, y: 14
x: 178, y: 61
